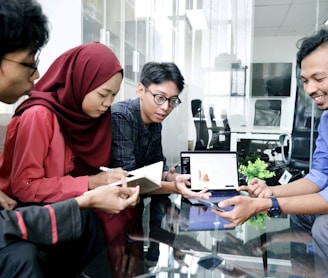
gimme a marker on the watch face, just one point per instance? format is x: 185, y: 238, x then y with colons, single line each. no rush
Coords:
x: 273, y: 212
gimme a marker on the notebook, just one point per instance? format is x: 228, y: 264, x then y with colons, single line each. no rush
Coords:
x: 216, y: 170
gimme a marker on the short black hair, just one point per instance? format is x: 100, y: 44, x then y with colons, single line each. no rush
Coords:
x: 308, y: 44
x: 23, y: 26
x: 156, y: 73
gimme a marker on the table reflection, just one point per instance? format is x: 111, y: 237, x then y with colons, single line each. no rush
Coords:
x: 193, y: 241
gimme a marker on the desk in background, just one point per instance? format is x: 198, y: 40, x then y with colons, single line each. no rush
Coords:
x: 269, y: 133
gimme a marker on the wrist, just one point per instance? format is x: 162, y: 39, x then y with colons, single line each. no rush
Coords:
x: 265, y: 205
x: 84, y: 201
x: 90, y: 182
x: 175, y: 189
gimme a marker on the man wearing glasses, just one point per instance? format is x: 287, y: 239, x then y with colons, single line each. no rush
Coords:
x: 137, y: 126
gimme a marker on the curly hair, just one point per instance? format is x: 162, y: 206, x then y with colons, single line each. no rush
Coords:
x: 23, y: 26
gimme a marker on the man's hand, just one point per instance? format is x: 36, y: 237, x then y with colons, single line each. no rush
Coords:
x: 182, y: 185
x: 6, y: 202
x: 111, y: 199
x: 257, y: 188
x: 171, y: 174
x: 244, y: 208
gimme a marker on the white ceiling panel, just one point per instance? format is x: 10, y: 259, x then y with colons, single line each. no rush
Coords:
x: 288, y: 17
x: 278, y: 14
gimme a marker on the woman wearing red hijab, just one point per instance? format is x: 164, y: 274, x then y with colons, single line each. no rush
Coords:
x: 61, y: 134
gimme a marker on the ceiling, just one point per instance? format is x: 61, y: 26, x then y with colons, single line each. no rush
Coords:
x: 288, y: 17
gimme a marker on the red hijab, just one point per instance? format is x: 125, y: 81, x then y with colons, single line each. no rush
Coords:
x: 63, y: 88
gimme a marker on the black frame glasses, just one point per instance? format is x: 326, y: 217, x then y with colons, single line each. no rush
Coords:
x: 33, y: 66
x: 160, y: 99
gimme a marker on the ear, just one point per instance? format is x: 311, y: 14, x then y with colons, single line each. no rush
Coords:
x: 140, y: 90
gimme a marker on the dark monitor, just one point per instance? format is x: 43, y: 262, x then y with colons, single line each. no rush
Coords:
x: 271, y: 79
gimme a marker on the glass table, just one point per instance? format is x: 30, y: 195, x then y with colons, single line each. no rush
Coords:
x: 192, y: 242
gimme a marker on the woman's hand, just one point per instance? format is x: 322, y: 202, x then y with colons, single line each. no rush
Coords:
x: 182, y: 185
x: 103, y: 178
x: 111, y: 199
x: 6, y: 202
x: 257, y: 188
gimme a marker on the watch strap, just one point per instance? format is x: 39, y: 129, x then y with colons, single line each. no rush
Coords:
x: 274, y: 211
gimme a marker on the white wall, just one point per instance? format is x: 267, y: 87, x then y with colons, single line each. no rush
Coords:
x: 175, y: 130
x: 65, y: 33
x: 278, y: 49
x: 66, y: 29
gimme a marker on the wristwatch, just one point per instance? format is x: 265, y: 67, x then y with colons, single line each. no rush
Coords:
x: 274, y: 211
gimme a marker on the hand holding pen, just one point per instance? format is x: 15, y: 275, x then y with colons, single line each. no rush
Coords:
x: 111, y: 170
x: 106, y: 176
x: 119, y: 171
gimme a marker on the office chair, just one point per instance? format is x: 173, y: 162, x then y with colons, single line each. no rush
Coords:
x: 220, y: 132
x: 214, y: 128
x: 267, y: 112
x: 196, y: 107
x: 201, y: 134
x: 295, y: 149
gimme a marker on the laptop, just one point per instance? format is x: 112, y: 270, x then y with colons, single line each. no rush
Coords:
x: 217, y: 170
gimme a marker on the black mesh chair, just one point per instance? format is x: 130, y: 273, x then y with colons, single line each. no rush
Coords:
x: 296, y: 154
x: 201, y: 134
x: 295, y: 148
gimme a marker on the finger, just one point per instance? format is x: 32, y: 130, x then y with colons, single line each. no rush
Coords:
x: 11, y: 206
x: 243, y: 188
x: 4, y: 205
x: 134, y: 198
x: 183, y: 177
x: 262, y: 194
x: 124, y: 183
x: 230, y: 225
x: 129, y: 193
x: 253, y: 181
x: 206, y: 195
x: 127, y: 190
x: 226, y: 203
x: 172, y: 170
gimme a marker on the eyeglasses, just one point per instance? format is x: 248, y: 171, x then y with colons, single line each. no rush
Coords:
x: 33, y: 66
x: 160, y: 99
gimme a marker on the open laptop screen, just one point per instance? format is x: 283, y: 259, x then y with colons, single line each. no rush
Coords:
x: 215, y: 170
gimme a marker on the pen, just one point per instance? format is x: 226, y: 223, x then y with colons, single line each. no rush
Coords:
x: 106, y: 169
x: 176, y: 165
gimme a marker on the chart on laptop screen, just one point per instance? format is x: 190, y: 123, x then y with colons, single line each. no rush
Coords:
x: 214, y: 170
